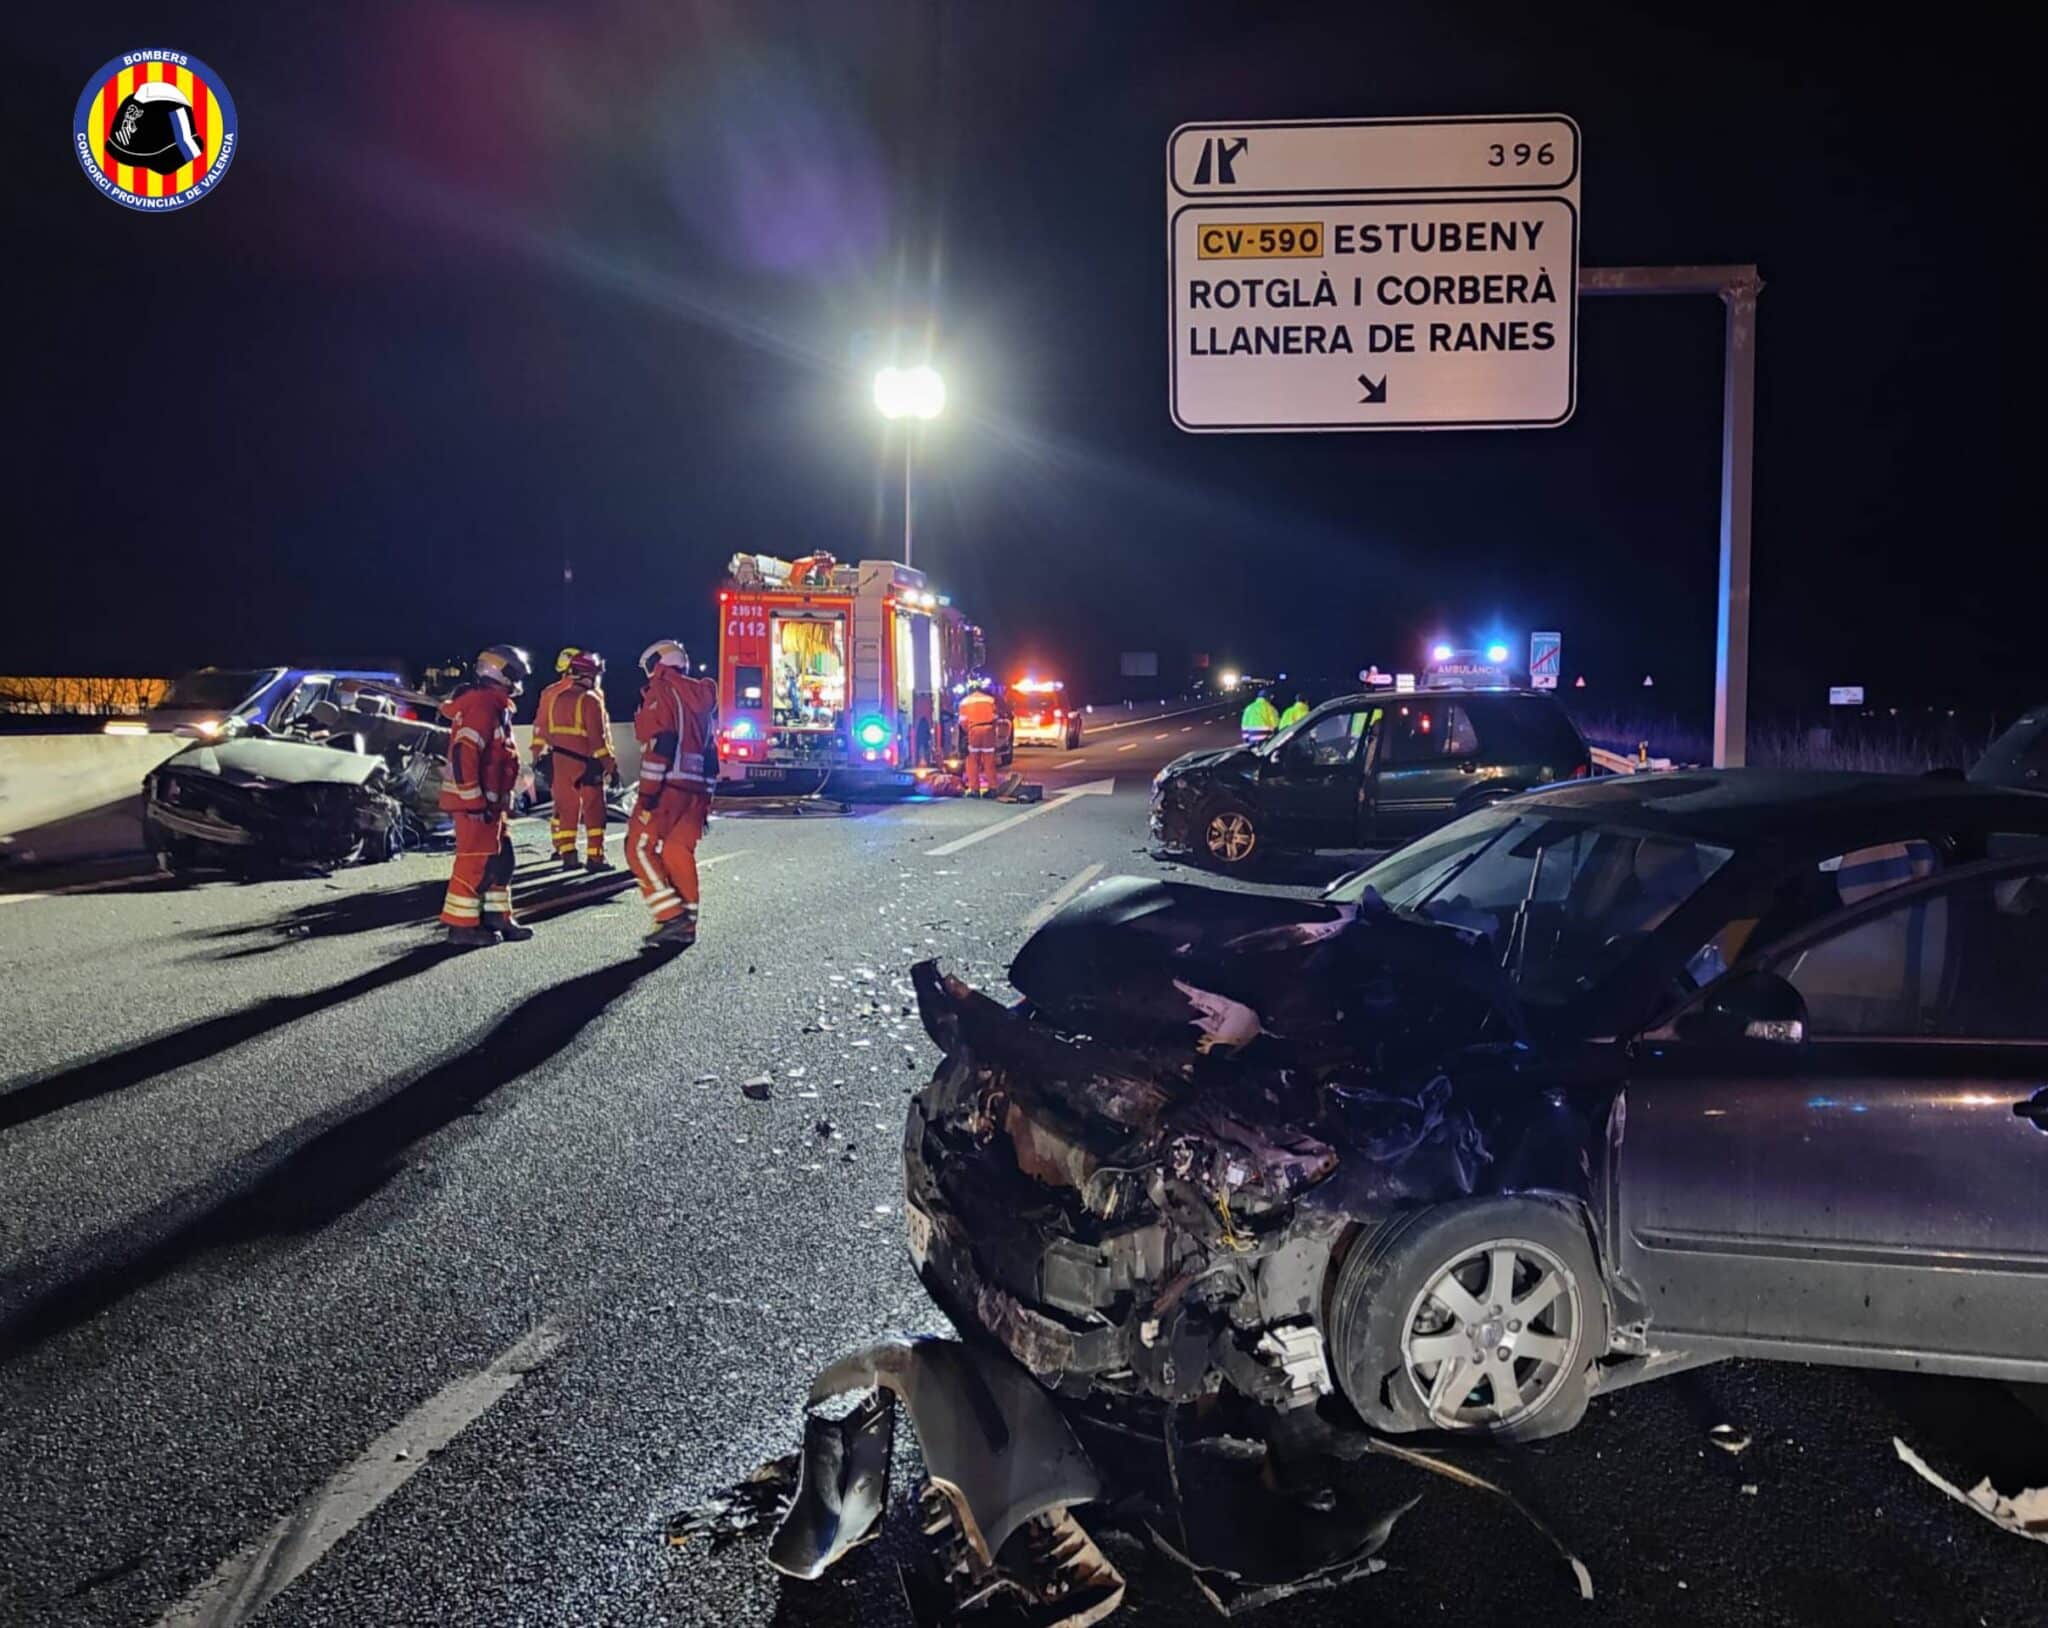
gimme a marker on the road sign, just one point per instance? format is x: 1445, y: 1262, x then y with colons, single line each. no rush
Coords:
x: 1546, y: 659
x: 1404, y: 683
x: 1845, y: 695
x: 1373, y: 274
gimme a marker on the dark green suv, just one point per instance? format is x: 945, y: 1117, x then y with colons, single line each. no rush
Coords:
x: 1366, y: 771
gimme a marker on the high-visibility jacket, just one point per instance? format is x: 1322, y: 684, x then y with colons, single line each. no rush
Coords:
x: 977, y: 712
x: 673, y: 727
x: 571, y: 719
x: 483, y: 758
x: 1294, y: 714
x: 1260, y: 716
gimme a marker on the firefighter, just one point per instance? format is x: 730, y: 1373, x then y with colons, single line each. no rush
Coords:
x: 476, y: 787
x: 1296, y: 711
x: 977, y: 714
x: 674, y: 726
x: 571, y: 727
x: 1259, y: 720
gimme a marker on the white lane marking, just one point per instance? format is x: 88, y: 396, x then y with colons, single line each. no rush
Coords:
x: 1156, y: 718
x: 1128, y: 746
x: 1094, y: 788
x: 1071, y: 763
x: 248, y: 1581
x: 1187, y: 729
x: 1046, y: 911
x: 1162, y: 734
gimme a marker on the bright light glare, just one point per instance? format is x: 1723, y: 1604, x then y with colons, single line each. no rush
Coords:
x: 1227, y: 679
x: 1439, y: 652
x: 1496, y: 653
x: 910, y: 392
x: 873, y: 733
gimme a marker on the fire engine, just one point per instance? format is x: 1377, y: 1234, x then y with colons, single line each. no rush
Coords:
x: 830, y: 669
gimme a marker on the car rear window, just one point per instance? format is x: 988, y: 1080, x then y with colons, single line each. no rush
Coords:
x: 1524, y: 729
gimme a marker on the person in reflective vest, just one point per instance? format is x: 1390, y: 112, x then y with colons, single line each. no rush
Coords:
x: 674, y: 727
x: 476, y: 788
x: 978, y: 713
x: 1296, y: 711
x: 1259, y: 720
x: 571, y: 727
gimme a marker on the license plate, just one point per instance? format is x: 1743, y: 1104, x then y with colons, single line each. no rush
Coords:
x: 919, y: 1226
x: 766, y: 771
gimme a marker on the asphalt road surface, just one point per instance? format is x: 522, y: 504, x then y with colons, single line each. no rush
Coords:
x: 385, y: 1286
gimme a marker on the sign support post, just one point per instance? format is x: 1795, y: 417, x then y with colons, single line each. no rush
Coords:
x: 1737, y: 288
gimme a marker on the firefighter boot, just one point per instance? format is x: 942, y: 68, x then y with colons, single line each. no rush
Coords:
x: 679, y: 934
x: 471, y: 938
x: 571, y: 863
x: 507, y: 929
x: 598, y: 862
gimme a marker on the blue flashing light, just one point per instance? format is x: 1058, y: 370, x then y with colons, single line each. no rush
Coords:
x: 873, y: 733
x: 1496, y: 653
x: 1440, y: 652
x: 742, y: 729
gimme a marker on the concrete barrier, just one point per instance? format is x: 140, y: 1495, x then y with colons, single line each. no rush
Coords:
x: 69, y: 797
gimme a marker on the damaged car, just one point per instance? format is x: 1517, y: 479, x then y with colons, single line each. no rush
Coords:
x: 348, y: 769
x: 1612, y: 1079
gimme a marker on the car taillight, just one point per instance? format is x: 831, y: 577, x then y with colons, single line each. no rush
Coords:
x: 1582, y: 771
x: 1057, y: 714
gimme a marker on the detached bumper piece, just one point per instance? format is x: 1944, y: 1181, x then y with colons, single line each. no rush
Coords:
x: 1004, y: 1470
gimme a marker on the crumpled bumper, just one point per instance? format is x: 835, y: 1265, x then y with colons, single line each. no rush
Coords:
x: 994, y: 1447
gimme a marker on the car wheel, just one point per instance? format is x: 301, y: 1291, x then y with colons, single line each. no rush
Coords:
x: 1228, y: 835
x: 1476, y: 1319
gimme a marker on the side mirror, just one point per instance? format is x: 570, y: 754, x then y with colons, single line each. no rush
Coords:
x: 1750, y: 1006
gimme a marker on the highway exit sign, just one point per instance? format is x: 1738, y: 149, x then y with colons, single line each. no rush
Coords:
x: 1373, y: 274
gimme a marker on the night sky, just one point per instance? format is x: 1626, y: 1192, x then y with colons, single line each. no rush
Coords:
x: 494, y: 286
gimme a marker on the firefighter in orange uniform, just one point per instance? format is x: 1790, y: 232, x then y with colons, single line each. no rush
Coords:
x: 674, y: 727
x: 570, y: 725
x: 978, y: 723
x: 476, y: 787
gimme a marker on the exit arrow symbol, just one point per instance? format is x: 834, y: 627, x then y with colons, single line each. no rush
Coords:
x: 1375, y: 393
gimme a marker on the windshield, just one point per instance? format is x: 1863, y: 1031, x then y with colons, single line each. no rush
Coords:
x: 1561, y: 902
x: 213, y: 690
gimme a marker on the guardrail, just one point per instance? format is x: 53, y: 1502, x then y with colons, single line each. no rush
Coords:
x: 1621, y: 763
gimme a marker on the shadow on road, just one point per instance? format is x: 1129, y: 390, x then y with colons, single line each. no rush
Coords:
x: 301, y: 1182
x: 181, y: 1048
x: 536, y: 895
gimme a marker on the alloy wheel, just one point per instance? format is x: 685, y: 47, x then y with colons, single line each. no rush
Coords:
x: 1231, y: 836
x: 1494, y: 1335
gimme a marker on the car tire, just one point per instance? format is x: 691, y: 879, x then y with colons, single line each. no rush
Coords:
x: 1228, y: 834
x: 1387, y: 1323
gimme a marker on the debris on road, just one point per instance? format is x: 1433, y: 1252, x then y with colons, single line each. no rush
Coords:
x: 1728, y: 1438
x: 2024, y: 1513
x: 754, y: 1505
x: 759, y: 1088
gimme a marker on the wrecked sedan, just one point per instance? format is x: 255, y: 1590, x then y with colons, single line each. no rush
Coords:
x: 1616, y: 1078
x: 349, y: 769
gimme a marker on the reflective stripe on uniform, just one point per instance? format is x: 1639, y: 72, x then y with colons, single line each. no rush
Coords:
x: 465, y: 733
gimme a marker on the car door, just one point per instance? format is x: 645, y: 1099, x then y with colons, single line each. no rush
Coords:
x: 1422, y: 767
x: 1876, y: 1191
x: 1310, y: 788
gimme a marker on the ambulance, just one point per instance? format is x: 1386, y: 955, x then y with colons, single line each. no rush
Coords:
x: 845, y: 673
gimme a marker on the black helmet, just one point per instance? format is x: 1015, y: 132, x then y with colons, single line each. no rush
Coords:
x: 505, y: 664
x: 153, y: 129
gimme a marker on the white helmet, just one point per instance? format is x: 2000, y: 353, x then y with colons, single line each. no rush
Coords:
x: 665, y: 653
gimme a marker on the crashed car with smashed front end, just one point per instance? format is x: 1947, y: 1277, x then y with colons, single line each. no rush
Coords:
x: 1615, y: 1078
x: 346, y: 769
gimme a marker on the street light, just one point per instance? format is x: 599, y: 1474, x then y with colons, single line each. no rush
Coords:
x: 909, y: 392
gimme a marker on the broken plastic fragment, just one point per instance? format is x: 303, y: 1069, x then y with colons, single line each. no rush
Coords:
x: 1728, y: 1438
x: 2024, y: 1514
x: 759, y: 1087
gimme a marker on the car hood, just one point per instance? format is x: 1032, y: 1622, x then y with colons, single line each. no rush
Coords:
x: 1231, y: 759
x: 285, y: 763
x: 1137, y: 962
